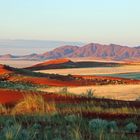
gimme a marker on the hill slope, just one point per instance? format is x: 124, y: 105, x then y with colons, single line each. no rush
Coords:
x: 63, y: 63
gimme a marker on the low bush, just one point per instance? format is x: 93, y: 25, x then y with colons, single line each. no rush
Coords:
x: 18, y: 85
x: 90, y: 93
x: 64, y: 90
x: 98, y: 125
x: 112, y: 126
x: 131, y: 127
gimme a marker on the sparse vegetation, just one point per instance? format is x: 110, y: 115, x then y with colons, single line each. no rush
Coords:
x: 18, y: 85
x: 69, y: 118
x: 34, y: 104
x: 131, y: 127
x: 64, y: 90
x: 98, y: 125
x: 59, y: 127
x: 38, y: 115
x: 90, y: 93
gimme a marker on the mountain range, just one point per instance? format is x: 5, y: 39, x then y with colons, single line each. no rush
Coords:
x: 92, y: 50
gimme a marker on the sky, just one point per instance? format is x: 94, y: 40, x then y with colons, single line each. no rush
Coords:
x: 99, y: 21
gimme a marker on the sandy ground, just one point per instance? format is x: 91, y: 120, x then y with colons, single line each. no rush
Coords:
x: 94, y: 60
x: 19, y: 64
x: 121, y: 92
x: 92, y: 71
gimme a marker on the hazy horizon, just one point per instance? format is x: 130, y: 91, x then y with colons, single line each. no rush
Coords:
x: 26, y: 47
x: 101, y: 21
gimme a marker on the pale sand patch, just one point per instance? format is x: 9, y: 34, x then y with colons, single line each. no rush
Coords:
x: 92, y: 59
x: 19, y: 63
x: 121, y: 92
x: 92, y: 71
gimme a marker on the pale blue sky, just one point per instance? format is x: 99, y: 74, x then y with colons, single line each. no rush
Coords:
x: 103, y: 21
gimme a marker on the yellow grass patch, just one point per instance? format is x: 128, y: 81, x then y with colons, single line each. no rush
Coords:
x: 92, y: 71
x: 34, y: 104
x: 121, y: 92
x: 3, y: 110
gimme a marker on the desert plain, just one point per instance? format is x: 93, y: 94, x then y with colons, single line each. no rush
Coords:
x: 120, y: 92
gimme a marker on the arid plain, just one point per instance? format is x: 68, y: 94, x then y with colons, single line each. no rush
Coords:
x: 93, y: 71
x: 121, y: 92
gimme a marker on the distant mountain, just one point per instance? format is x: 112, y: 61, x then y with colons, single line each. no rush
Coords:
x: 99, y: 51
x: 67, y: 63
x: 60, y: 52
x: 8, y: 56
x: 92, y: 50
x: 23, y: 47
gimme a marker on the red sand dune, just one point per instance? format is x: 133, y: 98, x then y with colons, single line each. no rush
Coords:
x: 44, y: 81
x: 51, y: 82
x: 53, y: 62
x: 10, y: 96
x: 64, y: 63
x: 4, y: 70
x: 78, y: 80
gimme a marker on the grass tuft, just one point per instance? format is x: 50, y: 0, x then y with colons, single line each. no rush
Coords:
x: 34, y: 104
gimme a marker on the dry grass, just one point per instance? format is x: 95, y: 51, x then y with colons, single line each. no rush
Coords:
x: 92, y: 71
x: 121, y: 92
x: 34, y: 104
x: 3, y: 110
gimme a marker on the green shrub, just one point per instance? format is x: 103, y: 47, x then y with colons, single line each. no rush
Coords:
x: 17, y: 85
x: 71, y: 118
x: 98, y: 125
x: 131, y: 127
x: 12, y: 132
x: 112, y: 126
x: 90, y: 93
x: 9, y: 122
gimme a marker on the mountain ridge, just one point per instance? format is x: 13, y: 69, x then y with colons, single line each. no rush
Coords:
x: 94, y: 50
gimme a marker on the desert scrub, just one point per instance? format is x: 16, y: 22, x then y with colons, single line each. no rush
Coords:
x: 102, y: 126
x: 60, y: 127
x: 103, y: 129
x: 76, y: 133
x: 18, y: 85
x: 34, y: 104
x: 98, y: 125
x: 112, y: 126
x: 89, y: 93
x: 131, y: 127
x: 63, y: 90
x: 3, y: 110
x: 71, y: 118
x: 13, y: 132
